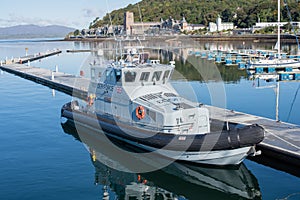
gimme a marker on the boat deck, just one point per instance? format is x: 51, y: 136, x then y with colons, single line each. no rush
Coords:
x: 282, y: 140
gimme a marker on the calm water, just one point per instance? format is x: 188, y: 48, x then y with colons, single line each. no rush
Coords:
x: 40, y: 159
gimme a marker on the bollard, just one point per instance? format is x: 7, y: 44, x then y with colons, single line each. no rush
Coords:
x: 53, y: 93
x: 28, y: 63
x: 52, y: 76
x: 56, y: 68
x: 172, y: 63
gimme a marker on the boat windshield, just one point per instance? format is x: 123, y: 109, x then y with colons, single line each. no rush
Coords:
x: 166, y: 75
x: 118, y: 74
x: 145, y: 76
x: 129, y: 76
x: 156, y: 76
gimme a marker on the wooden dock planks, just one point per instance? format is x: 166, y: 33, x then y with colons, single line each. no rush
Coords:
x: 67, y: 83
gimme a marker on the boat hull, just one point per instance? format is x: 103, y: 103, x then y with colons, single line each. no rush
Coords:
x: 217, y: 148
x: 222, y: 157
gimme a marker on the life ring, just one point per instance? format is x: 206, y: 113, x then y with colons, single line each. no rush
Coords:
x: 90, y: 100
x: 140, y: 112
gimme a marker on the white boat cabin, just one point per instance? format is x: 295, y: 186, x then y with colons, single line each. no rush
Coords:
x: 140, y: 94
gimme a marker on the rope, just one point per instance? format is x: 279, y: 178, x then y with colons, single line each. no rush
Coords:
x: 290, y: 16
x: 293, y: 102
x: 290, y: 195
x: 284, y: 140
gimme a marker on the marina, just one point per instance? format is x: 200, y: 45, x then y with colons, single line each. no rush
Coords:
x: 289, y: 76
x: 282, y: 139
x: 242, y: 57
x: 146, y: 100
x: 33, y: 138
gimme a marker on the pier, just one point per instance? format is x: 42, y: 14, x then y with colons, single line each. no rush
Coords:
x: 67, y: 83
x: 30, y: 58
x: 78, y: 51
x: 238, y: 58
x: 241, y: 57
x: 282, y: 140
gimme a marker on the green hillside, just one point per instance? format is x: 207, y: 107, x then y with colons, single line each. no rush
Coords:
x: 243, y: 13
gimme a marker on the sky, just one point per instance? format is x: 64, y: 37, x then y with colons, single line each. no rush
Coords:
x: 72, y: 13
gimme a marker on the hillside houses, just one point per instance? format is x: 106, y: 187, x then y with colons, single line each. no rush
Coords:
x: 172, y: 26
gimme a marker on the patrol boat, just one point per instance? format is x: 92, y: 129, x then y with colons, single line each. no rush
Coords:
x: 132, y: 100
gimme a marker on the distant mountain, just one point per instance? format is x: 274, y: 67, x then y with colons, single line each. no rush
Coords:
x: 34, y: 31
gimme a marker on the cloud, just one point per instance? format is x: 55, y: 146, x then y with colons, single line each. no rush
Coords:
x: 92, y: 13
x: 18, y: 20
x: 78, y: 20
x: 13, y: 20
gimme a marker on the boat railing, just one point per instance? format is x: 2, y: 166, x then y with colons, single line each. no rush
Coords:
x: 183, y: 128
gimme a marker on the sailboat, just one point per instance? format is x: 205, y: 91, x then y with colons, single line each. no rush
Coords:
x: 276, y: 64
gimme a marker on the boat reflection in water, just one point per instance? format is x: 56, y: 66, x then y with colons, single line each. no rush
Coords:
x: 176, y: 181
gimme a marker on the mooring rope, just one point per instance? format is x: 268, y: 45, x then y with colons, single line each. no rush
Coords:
x: 295, y: 96
x: 297, y: 147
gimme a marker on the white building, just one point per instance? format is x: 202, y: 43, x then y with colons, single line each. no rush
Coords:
x: 219, y: 25
x: 261, y: 25
x: 137, y: 28
x: 190, y: 27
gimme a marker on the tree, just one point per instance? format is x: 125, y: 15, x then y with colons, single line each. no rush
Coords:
x: 76, y: 32
x: 195, y: 11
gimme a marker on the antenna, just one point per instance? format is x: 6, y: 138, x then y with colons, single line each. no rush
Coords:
x: 140, y: 13
x: 108, y: 11
x: 278, y: 28
x: 114, y: 32
x: 290, y: 17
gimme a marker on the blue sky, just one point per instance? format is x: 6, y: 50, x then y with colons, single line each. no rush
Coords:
x: 72, y: 13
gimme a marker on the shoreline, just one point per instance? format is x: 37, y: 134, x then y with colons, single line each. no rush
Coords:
x: 253, y: 37
x: 266, y: 38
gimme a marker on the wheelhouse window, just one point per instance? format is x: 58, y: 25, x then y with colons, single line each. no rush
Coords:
x: 110, y: 77
x: 145, y: 76
x: 166, y: 75
x: 93, y: 73
x: 118, y: 74
x: 156, y: 76
x: 129, y: 76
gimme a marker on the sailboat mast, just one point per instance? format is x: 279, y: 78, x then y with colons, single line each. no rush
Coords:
x: 278, y: 29
x: 278, y: 41
x: 277, y: 102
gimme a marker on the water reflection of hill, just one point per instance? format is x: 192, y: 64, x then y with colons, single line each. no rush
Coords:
x: 188, y: 66
x: 176, y: 181
x: 195, y: 68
